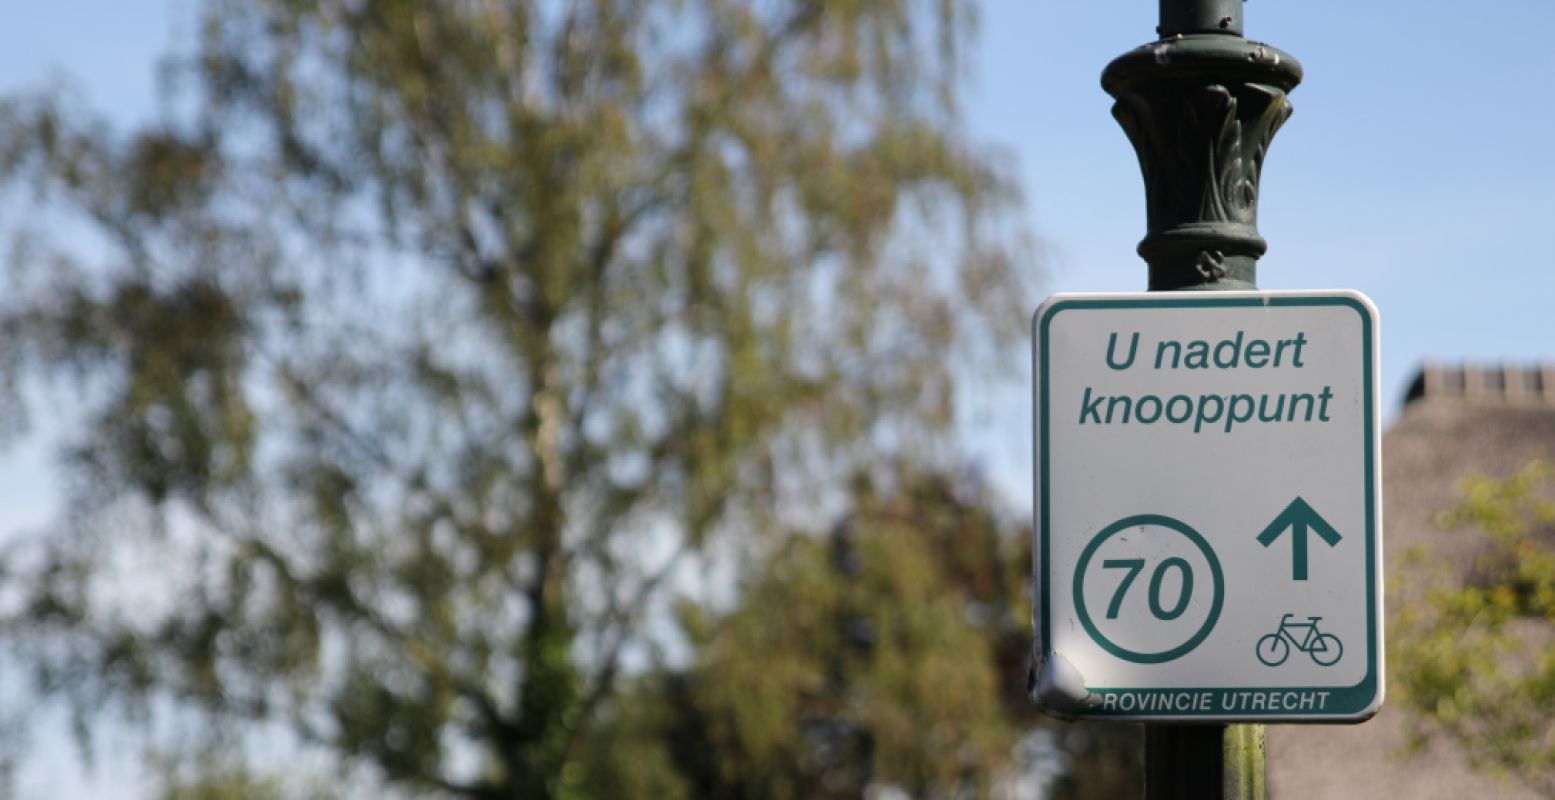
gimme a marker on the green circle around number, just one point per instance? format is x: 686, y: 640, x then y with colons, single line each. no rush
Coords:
x: 1217, y: 581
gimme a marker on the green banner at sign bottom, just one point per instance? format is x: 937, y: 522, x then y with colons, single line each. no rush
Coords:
x: 1309, y: 701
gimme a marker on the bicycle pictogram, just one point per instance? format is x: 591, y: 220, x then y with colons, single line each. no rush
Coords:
x: 1274, y: 648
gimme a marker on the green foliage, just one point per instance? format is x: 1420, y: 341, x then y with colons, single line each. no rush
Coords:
x: 888, y: 653
x: 219, y: 775
x: 220, y: 782
x: 1100, y: 761
x: 419, y: 352
x: 862, y: 659
x: 1474, y: 656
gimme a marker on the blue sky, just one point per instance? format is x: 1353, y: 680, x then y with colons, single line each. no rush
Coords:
x: 1418, y: 168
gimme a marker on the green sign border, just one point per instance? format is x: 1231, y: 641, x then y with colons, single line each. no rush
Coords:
x: 1344, y: 704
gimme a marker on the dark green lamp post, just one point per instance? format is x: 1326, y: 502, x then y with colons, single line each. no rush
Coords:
x: 1201, y: 105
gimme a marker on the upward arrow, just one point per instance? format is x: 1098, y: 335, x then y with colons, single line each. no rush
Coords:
x: 1300, y: 518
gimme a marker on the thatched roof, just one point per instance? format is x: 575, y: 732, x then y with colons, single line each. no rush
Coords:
x: 1457, y: 421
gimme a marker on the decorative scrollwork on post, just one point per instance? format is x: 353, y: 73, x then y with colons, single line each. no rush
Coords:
x: 1211, y: 264
x: 1201, y: 111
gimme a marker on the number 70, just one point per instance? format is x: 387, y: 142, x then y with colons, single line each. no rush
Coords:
x: 1153, y: 596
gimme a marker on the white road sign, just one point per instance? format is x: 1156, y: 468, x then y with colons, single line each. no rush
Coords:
x: 1209, y: 510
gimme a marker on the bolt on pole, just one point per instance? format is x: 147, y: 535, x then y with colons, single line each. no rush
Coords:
x: 1201, y: 105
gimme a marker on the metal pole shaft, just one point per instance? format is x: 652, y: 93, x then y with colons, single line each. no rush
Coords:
x: 1201, y: 105
x: 1205, y: 761
x: 1200, y: 16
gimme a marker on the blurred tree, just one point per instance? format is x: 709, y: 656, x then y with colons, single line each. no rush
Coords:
x: 1473, y: 654
x: 217, y: 778
x: 215, y: 767
x: 890, y: 653
x: 408, y: 358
